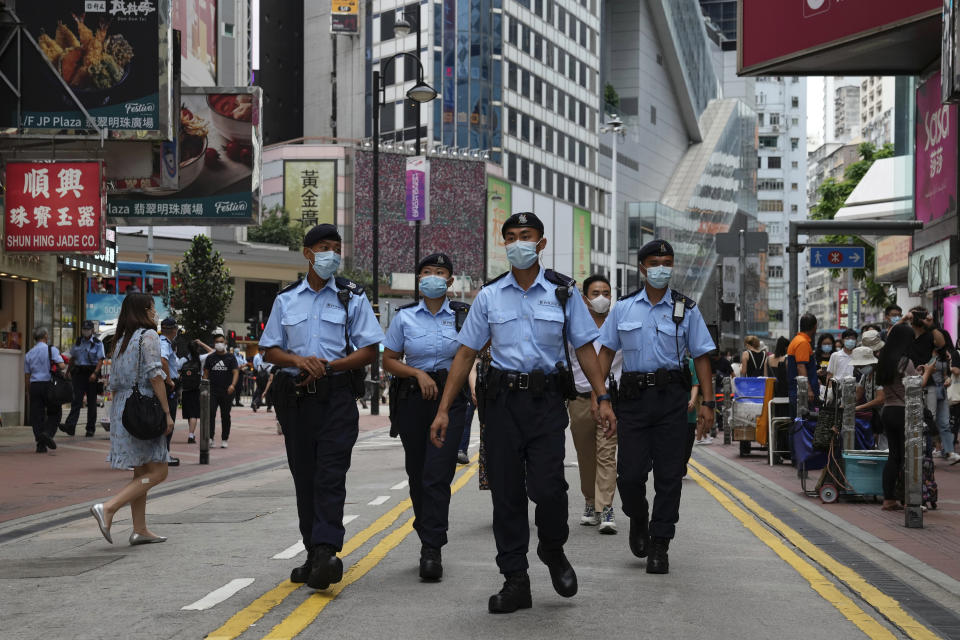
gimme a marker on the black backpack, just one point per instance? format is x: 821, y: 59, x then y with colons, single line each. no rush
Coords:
x: 190, y: 375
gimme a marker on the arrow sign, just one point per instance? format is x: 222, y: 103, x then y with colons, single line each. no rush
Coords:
x: 837, y: 257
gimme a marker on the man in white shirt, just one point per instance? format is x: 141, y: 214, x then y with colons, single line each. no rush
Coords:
x: 596, y: 454
x: 841, y: 360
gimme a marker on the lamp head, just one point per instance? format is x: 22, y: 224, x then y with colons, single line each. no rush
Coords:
x: 401, y: 27
x: 422, y: 92
x: 614, y: 121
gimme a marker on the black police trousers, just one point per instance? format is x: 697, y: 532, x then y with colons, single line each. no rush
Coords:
x: 652, y: 432
x: 82, y: 387
x: 429, y: 470
x: 323, y: 435
x: 525, y: 440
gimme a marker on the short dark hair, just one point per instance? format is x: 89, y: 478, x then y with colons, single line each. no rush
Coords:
x: 892, y: 307
x: 808, y: 322
x: 597, y: 277
x: 849, y: 333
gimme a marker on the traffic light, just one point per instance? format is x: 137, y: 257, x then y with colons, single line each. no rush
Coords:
x: 232, y: 338
x: 261, y: 327
x: 252, y: 328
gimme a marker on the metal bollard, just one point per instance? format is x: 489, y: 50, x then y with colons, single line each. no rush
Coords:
x: 803, y: 386
x: 204, y: 440
x: 727, y: 411
x: 848, y: 396
x: 913, y: 454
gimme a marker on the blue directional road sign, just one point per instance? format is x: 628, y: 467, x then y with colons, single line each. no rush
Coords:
x: 838, y: 257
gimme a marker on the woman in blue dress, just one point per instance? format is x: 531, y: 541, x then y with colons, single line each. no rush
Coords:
x: 137, y: 350
x: 425, y: 335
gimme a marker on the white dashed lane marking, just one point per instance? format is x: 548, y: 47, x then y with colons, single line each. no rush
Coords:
x: 291, y: 551
x: 399, y: 485
x: 379, y: 500
x: 348, y: 519
x: 217, y: 596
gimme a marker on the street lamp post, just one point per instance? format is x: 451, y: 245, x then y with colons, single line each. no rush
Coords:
x: 401, y: 29
x: 419, y: 93
x: 615, y: 126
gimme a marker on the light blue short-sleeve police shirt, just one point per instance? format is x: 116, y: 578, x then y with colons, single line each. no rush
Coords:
x: 427, y: 341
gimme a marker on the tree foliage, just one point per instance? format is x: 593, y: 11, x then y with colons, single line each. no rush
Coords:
x: 833, y: 194
x: 202, y: 291
x: 276, y: 228
x: 610, y: 98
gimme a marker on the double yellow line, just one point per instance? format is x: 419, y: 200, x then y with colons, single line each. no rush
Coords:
x: 753, y: 517
x: 309, y: 609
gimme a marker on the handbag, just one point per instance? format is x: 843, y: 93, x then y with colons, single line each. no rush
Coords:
x: 143, y: 416
x: 953, y: 391
x: 60, y: 389
x: 828, y: 420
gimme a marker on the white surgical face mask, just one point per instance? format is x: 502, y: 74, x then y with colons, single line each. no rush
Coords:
x: 600, y: 304
x: 220, y: 346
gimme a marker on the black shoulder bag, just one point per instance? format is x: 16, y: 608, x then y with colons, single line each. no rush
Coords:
x: 143, y: 416
x: 60, y: 390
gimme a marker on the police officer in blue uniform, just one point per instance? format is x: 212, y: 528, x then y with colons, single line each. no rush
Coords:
x: 655, y: 327
x: 527, y: 315
x: 86, y: 359
x: 171, y: 367
x: 425, y: 334
x: 321, y: 333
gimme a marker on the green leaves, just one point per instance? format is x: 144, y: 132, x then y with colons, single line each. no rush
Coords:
x: 201, y: 291
x: 276, y: 228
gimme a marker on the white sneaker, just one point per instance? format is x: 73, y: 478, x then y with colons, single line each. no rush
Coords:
x: 223, y: 444
x: 607, y: 524
x: 953, y: 458
x: 589, y: 517
x: 707, y: 440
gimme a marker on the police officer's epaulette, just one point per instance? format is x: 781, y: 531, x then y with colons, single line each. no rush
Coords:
x: 408, y: 306
x: 489, y: 282
x: 351, y: 286
x: 291, y: 286
x: 629, y: 295
x: 558, y: 278
x: 687, y: 302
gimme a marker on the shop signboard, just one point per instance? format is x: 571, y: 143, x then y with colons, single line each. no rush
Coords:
x: 345, y: 16
x: 310, y: 191
x: 219, y: 160
x: 935, y: 195
x: 115, y: 57
x: 929, y: 268
x: 197, y: 22
x: 417, y: 180
x: 843, y: 308
x: 54, y: 207
x: 581, y: 245
x: 892, y: 258
x: 498, y: 210
x: 775, y: 32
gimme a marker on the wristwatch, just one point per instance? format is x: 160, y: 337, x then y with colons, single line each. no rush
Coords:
x: 709, y: 404
x: 606, y: 397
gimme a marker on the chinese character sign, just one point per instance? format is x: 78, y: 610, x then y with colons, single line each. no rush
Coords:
x: 936, y: 153
x: 581, y: 245
x: 417, y: 178
x: 499, y: 194
x: 54, y: 207
x: 310, y: 191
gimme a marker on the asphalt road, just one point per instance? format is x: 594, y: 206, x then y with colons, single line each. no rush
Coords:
x: 222, y: 574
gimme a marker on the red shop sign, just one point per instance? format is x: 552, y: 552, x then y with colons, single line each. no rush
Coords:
x: 54, y: 207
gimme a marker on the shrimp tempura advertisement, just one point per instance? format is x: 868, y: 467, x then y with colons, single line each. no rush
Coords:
x: 108, y: 53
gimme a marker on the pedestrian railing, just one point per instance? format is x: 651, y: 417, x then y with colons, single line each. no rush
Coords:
x: 204, y: 442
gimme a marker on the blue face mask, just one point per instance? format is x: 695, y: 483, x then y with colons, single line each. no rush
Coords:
x: 659, y: 277
x: 326, y: 263
x: 849, y: 343
x: 433, y: 286
x: 522, y: 253
x: 826, y: 348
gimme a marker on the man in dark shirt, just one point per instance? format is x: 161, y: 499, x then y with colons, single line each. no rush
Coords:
x: 922, y: 324
x: 221, y: 370
x: 720, y: 365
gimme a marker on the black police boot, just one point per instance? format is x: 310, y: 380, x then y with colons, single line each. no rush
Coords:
x: 431, y: 567
x: 325, y: 567
x: 561, y: 572
x: 514, y: 595
x: 639, y: 536
x: 658, y: 562
x: 301, y: 573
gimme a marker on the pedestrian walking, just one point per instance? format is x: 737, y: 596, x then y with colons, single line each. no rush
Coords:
x: 86, y: 360
x: 261, y: 372
x: 220, y: 368
x: 753, y: 360
x: 424, y: 334
x: 937, y: 378
x: 240, y: 384
x: 528, y: 314
x: 191, y: 372
x: 136, y: 363
x: 171, y: 369
x: 596, y: 453
x: 696, y: 435
x: 840, y: 364
x: 38, y: 363
x: 801, y: 361
x: 321, y: 333
x: 656, y: 326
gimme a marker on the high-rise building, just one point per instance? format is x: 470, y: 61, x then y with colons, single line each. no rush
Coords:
x: 722, y: 13
x: 877, y: 107
x: 846, y: 118
x: 831, y: 91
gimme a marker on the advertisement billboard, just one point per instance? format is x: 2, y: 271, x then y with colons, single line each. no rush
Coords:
x: 345, y: 16
x: 778, y: 32
x: 54, y: 207
x: 498, y: 210
x: 219, y: 159
x: 113, y: 55
x: 197, y: 22
x: 310, y: 191
x: 417, y: 182
x: 935, y: 159
x: 581, y: 245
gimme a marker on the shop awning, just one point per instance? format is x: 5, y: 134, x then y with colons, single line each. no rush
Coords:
x: 884, y: 193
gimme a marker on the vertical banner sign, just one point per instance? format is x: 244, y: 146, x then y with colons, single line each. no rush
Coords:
x: 418, y: 190
x: 843, y: 309
x: 581, y: 245
x: 310, y: 191
x: 345, y: 16
x: 54, y: 207
x: 936, y: 153
x: 498, y: 210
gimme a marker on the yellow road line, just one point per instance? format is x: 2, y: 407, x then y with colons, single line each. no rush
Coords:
x: 887, y: 606
x: 307, y: 612
x: 818, y: 582
x: 246, y: 617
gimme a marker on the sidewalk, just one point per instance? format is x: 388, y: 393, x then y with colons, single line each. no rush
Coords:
x: 77, y: 472
x: 937, y: 544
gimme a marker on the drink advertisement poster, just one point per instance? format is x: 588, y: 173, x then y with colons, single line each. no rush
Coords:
x: 112, y: 55
x: 936, y: 153
x: 220, y: 162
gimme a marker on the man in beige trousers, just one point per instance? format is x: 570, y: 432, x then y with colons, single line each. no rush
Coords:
x: 596, y: 454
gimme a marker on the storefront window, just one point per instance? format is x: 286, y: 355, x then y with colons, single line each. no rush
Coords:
x: 67, y: 300
x: 43, y: 305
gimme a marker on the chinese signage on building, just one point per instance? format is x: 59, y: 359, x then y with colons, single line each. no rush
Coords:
x: 310, y: 191
x: 843, y: 309
x: 936, y: 153
x: 345, y: 16
x: 498, y: 210
x: 581, y: 245
x: 112, y: 54
x: 417, y: 181
x: 53, y: 207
